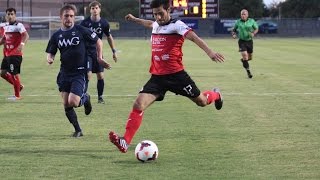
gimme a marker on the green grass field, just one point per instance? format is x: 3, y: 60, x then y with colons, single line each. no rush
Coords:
x: 269, y: 127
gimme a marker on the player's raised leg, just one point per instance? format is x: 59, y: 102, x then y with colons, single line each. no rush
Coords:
x: 214, y: 96
x: 143, y: 101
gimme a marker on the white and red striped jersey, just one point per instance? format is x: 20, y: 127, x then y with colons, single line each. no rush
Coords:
x: 2, y: 29
x: 13, y: 33
x: 167, y: 41
x: 2, y: 33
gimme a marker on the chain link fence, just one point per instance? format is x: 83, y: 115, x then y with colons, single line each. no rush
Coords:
x: 204, y: 28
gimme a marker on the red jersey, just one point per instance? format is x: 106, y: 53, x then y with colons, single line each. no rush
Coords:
x: 2, y: 29
x: 167, y: 41
x: 13, y: 38
x: 2, y: 33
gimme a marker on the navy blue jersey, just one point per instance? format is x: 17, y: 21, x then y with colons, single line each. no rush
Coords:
x: 73, y: 45
x: 100, y: 27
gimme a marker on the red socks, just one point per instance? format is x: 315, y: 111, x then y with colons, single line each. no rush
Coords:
x: 16, y: 85
x: 135, y: 117
x: 8, y: 77
x: 15, y: 81
x: 211, y: 96
x: 133, y: 124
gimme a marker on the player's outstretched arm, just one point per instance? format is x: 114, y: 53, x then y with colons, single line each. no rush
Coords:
x: 214, y: 56
x: 143, y: 22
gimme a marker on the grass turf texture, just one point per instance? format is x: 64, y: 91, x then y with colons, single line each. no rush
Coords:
x: 268, y: 128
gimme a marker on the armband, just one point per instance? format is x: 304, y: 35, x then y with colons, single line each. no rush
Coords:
x: 114, y: 51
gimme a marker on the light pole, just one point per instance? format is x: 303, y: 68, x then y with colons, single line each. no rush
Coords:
x: 31, y: 8
x: 280, y: 4
x: 22, y: 3
x: 83, y: 7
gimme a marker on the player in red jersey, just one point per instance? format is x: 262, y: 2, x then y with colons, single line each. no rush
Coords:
x: 167, y: 70
x: 14, y: 39
x: 2, y: 30
x: 2, y: 39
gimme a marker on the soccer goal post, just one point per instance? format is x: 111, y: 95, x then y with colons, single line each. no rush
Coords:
x: 41, y: 27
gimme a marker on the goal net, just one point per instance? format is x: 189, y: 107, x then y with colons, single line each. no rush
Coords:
x: 42, y: 27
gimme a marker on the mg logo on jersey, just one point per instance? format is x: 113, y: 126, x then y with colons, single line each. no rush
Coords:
x: 97, y: 30
x: 69, y: 42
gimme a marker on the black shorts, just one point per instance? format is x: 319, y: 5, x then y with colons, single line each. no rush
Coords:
x: 179, y: 83
x: 245, y: 46
x: 93, y: 65
x: 12, y: 64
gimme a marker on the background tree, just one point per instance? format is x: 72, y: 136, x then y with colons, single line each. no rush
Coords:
x: 232, y: 8
x: 274, y: 9
x: 300, y: 9
x: 112, y: 9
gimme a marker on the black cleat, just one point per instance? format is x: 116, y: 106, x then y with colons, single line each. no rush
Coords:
x: 87, y: 106
x: 249, y: 74
x: 77, y: 134
x: 101, y: 101
x: 219, y: 102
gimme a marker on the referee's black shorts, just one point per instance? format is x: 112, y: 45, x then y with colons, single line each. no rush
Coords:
x: 245, y: 46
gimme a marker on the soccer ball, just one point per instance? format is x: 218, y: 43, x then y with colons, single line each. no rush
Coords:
x: 146, y: 151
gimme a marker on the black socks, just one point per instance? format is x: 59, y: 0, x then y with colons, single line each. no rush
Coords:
x: 100, y: 87
x: 72, y: 117
x: 245, y: 64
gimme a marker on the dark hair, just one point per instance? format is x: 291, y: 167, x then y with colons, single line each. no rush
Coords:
x: 94, y: 3
x: 68, y: 7
x: 11, y: 10
x: 158, y: 3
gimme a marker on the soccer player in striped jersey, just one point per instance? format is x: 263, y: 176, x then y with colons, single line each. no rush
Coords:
x: 167, y: 70
x: 72, y: 40
x: 14, y: 38
x: 100, y: 26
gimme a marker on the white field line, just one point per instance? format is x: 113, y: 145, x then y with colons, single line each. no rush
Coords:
x: 224, y: 94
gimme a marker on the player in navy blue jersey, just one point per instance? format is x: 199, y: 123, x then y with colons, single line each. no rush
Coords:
x: 100, y: 26
x: 72, y: 41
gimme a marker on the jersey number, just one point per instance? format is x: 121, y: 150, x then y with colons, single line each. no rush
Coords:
x: 188, y: 90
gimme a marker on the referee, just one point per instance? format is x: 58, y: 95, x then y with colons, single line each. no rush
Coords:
x: 246, y: 28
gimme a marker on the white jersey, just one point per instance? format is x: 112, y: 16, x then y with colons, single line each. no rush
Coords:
x: 167, y: 41
x: 13, y: 37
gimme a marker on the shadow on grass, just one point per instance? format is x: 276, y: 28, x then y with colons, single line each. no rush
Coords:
x: 127, y: 162
x: 68, y: 147
x: 30, y: 102
x: 89, y: 153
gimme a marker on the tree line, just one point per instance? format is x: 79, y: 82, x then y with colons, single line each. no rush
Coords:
x: 228, y: 8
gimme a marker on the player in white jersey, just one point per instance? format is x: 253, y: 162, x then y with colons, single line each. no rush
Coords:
x: 167, y: 70
x: 14, y: 38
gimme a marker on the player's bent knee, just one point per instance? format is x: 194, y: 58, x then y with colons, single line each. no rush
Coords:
x: 201, y: 103
x: 3, y: 74
x: 73, y: 103
x: 138, y: 106
x: 201, y: 100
